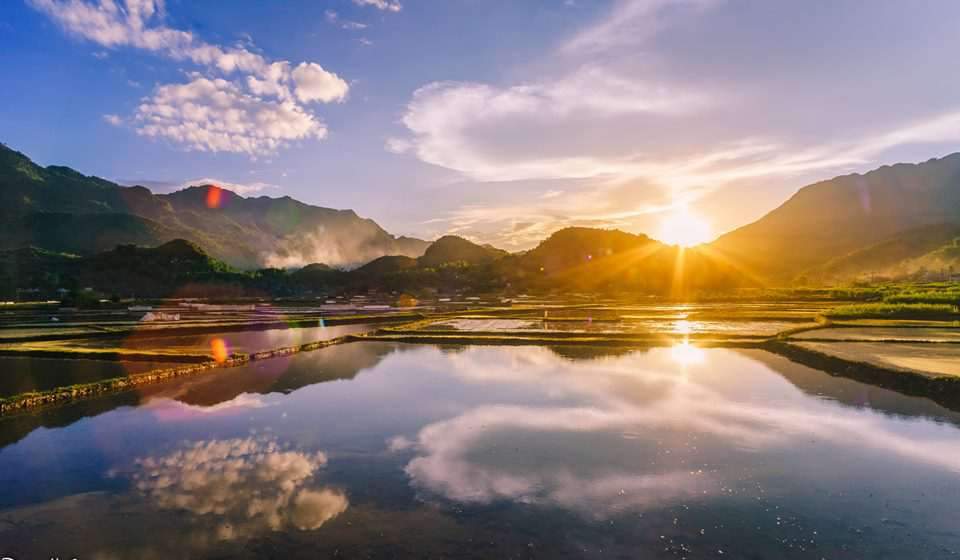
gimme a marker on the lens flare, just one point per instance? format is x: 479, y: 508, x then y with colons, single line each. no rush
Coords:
x: 219, y: 351
x: 214, y: 196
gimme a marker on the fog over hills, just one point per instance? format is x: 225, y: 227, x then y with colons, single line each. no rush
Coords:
x: 60, y: 209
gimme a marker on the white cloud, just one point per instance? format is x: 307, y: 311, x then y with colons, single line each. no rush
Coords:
x: 217, y: 115
x: 498, y: 134
x: 387, y: 5
x: 615, y: 115
x: 115, y: 120
x: 313, y: 83
x: 630, y: 23
x: 242, y: 103
x: 398, y: 145
x: 112, y: 24
x: 334, y: 19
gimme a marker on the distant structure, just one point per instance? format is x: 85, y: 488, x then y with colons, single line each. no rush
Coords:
x: 154, y: 316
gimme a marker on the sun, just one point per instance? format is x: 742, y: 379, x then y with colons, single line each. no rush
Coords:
x: 684, y: 228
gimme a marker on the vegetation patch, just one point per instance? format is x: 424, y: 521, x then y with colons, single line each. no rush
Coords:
x: 947, y: 297
x: 892, y: 311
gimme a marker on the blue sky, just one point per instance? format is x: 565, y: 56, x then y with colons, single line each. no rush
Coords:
x: 499, y: 120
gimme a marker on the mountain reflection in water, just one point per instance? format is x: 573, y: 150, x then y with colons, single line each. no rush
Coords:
x: 383, y: 450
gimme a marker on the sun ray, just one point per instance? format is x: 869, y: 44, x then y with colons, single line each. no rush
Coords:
x: 684, y: 228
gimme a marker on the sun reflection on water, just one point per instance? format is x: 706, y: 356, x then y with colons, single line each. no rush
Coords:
x: 687, y: 354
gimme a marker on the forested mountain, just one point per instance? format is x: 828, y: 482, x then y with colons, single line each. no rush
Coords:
x: 59, y: 209
x: 895, y: 220
x: 832, y: 219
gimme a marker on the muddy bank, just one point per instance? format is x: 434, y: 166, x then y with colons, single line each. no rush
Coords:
x: 942, y: 389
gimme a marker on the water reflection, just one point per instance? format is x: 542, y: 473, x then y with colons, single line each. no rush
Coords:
x: 687, y: 354
x: 627, y: 437
x: 248, y: 485
x: 496, y: 452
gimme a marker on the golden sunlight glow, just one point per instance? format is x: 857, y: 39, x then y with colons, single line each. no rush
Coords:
x: 687, y: 354
x: 684, y: 228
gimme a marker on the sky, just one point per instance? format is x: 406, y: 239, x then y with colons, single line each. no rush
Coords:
x: 498, y: 120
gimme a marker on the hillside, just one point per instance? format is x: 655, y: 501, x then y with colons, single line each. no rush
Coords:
x: 60, y: 209
x: 897, y: 255
x: 945, y: 259
x: 177, y: 267
x: 831, y: 219
x: 571, y: 260
x: 596, y: 260
x: 451, y: 249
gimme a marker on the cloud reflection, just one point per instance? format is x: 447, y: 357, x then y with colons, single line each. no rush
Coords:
x: 636, y: 431
x: 248, y: 485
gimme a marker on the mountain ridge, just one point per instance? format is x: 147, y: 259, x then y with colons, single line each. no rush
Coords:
x: 246, y: 232
x: 828, y: 219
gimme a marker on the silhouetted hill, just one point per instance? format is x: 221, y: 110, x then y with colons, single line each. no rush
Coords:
x: 451, y: 248
x: 575, y: 246
x: 574, y: 260
x: 124, y: 271
x: 830, y: 219
x: 386, y: 265
x: 60, y: 209
x: 597, y: 260
x: 315, y: 278
x: 33, y: 268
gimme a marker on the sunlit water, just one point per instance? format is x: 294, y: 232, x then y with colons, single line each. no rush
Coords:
x: 378, y: 450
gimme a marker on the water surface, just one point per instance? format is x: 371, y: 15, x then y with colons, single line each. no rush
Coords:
x: 380, y: 450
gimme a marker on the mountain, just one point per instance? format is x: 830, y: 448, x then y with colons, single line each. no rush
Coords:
x: 387, y: 264
x: 177, y: 267
x: 571, y: 260
x: 831, y: 219
x: 451, y: 248
x: 597, y: 260
x: 60, y: 209
x: 895, y: 256
x: 30, y: 268
x: 942, y: 259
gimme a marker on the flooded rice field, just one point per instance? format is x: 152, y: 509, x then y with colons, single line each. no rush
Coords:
x: 667, y: 325
x: 916, y: 334
x: 235, y: 341
x: 925, y: 359
x: 23, y: 374
x: 386, y: 450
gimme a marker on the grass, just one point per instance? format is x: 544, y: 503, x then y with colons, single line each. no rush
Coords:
x: 893, y: 311
x: 942, y: 297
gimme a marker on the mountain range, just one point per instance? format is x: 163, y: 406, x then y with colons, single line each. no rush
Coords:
x: 896, y: 220
x: 853, y: 225
x: 59, y: 209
